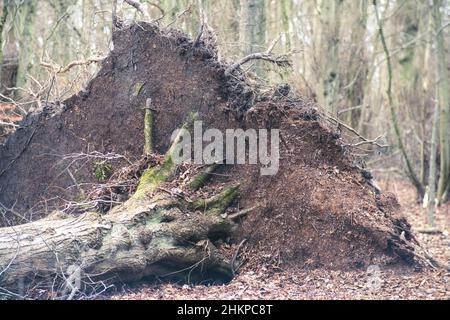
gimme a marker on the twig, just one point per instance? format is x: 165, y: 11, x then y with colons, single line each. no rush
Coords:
x: 349, y: 109
x: 138, y: 6
x: 202, y: 25
x: 179, y: 15
x: 374, y: 142
x: 235, y: 268
x: 281, y: 61
x: 274, y: 43
x: 364, y: 140
x: 241, y: 213
x: 163, y: 13
x: 95, y: 58
x: 44, y: 47
x: 59, y: 69
x: 8, y: 124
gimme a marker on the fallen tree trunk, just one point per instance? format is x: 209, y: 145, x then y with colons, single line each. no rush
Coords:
x: 145, y: 237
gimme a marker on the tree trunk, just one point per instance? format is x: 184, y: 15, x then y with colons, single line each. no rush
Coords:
x: 330, y: 23
x: 4, y: 16
x: 432, y: 176
x: 26, y: 25
x: 356, y: 71
x: 253, y: 29
x: 286, y: 12
x: 393, y: 110
x: 443, y: 98
x: 144, y: 237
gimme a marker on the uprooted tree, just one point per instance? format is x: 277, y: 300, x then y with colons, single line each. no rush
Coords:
x: 320, y: 210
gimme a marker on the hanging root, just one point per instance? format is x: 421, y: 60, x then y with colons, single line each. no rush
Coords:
x: 148, y: 128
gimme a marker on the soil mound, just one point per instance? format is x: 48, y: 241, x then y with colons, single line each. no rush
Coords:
x: 319, y: 210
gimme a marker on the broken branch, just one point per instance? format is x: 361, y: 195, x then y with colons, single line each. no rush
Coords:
x: 281, y: 61
x: 364, y: 140
x: 148, y: 127
x: 138, y: 6
x: 241, y: 213
x: 59, y: 69
x: 9, y: 124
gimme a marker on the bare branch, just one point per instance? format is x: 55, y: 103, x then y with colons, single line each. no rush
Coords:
x: 274, y: 43
x: 349, y: 109
x: 94, y: 58
x: 364, y: 140
x: 367, y: 141
x: 188, y: 10
x: 56, y: 69
x: 281, y: 61
x: 138, y: 6
x: 161, y: 10
x: 234, y: 267
x: 240, y: 214
x: 8, y: 124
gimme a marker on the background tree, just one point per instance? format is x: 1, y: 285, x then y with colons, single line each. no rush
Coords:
x: 252, y: 28
x: 443, y: 93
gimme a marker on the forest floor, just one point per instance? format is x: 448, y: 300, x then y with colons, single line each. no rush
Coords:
x: 322, y: 284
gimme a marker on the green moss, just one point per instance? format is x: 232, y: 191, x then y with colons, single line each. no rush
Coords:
x: 153, y: 177
x: 102, y: 170
x: 187, y: 126
x: 138, y: 88
x: 202, y: 177
x: 219, y: 203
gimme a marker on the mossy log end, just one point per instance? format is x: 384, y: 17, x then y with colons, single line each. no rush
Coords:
x: 153, y: 234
